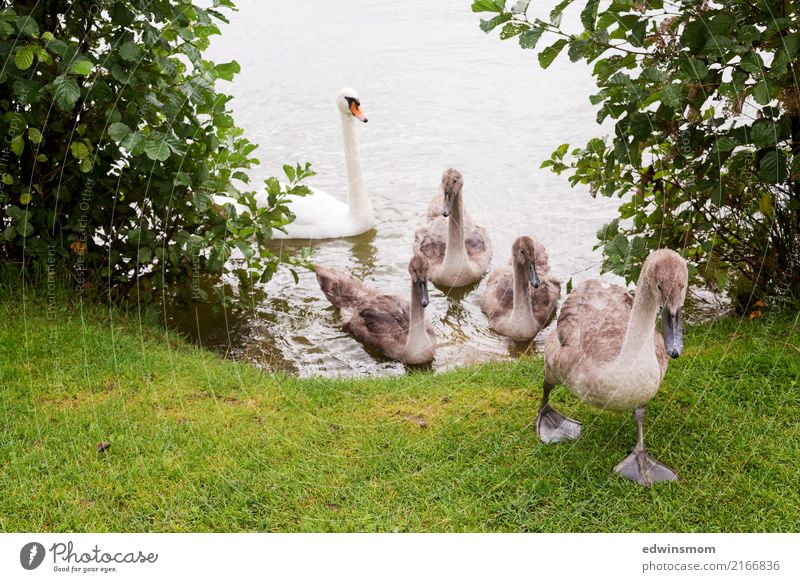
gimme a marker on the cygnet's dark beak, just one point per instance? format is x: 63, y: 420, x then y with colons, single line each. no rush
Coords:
x: 672, y: 331
x: 423, y: 292
x: 447, y: 206
x: 530, y: 271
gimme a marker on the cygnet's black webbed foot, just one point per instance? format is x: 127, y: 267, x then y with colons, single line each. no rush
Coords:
x: 640, y: 467
x: 554, y: 427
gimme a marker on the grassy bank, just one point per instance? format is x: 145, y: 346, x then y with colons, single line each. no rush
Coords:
x: 199, y: 443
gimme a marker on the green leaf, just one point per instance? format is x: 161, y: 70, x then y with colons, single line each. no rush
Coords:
x: 120, y: 15
x: 488, y: 6
x: 129, y: 51
x: 157, y: 149
x: 693, y: 69
x: 617, y: 248
x: 765, y: 204
x: 512, y: 29
x: 34, y: 135
x: 183, y: 179
x: 640, y: 125
x: 27, y: 26
x: 145, y: 255
x: 721, y: 24
x: 206, y: 30
x: 764, y: 133
x: 672, y: 95
x: 24, y: 58
x: 82, y: 67
x: 25, y: 228
x: 694, y: 36
x: 548, y: 55
x: 65, y: 92
x: 589, y: 14
x: 133, y: 142
x: 226, y: 71
x: 223, y: 120
x: 79, y: 149
x: 26, y: 90
x: 530, y: 37
x: 17, y: 145
x: 762, y: 92
x: 792, y: 44
x: 637, y: 33
x: 752, y: 63
x: 491, y: 24
x: 57, y: 47
x: 772, y: 167
x: 721, y: 278
x: 118, y: 131
x: 723, y: 145
x: 5, y: 26
x: 577, y: 48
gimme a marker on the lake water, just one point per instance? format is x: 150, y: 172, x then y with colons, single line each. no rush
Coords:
x: 438, y: 93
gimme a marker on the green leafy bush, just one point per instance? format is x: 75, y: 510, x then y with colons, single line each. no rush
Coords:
x: 706, y: 145
x: 116, y: 141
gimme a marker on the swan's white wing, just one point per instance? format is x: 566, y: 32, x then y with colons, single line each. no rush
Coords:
x: 318, y: 207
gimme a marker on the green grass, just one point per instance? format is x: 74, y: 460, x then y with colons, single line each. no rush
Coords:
x: 202, y: 444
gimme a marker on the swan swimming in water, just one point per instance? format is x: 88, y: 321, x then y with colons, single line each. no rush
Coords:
x: 607, y: 351
x: 387, y: 323
x: 319, y: 215
x: 522, y: 294
x: 459, y: 250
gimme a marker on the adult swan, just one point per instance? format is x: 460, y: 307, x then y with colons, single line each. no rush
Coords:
x: 319, y: 215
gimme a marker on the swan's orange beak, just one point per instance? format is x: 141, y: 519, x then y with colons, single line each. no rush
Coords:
x: 355, y: 109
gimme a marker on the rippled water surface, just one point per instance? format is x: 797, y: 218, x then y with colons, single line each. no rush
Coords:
x: 438, y: 92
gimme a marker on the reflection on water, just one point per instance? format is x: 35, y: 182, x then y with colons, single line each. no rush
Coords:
x: 438, y: 93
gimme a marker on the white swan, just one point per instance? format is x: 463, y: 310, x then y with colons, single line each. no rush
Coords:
x: 319, y: 215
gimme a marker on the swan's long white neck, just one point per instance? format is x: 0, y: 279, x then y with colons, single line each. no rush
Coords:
x: 455, y: 253
x: 360, y: 206
x: 641, y: 324
x: 418, y: 338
